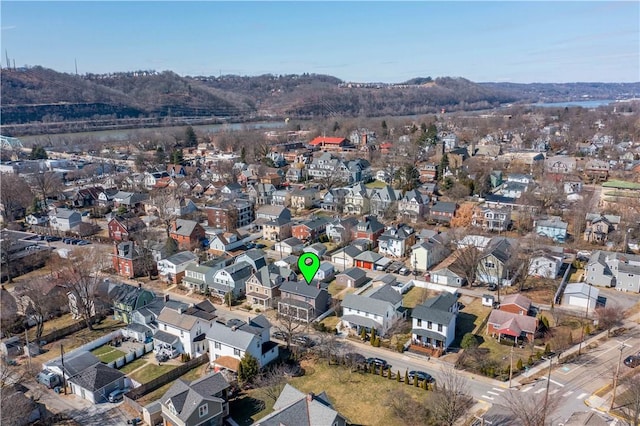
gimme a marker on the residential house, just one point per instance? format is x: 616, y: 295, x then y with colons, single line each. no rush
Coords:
x: 302, y: 199
x: 560, y: 164
x: 277, y: 229
x: 306, y: 410
x: 330, y: 143
x: 545, y: 264
x: 127, y: 260
x: 230, y: 215
x: 231, y: 278
x: 451, y: 271
x: 340, y: 230
x: 151, y: 179
x: 131, y: 201
x: 231, y: 190
x: 493, y: 265
x: 325, y: 272
x: 599, y: 226
x: 271, y: 212
x: 491, y: 219
x: 370, y: 229
x: 379, y: 309
x: 178, y: 206
x: 357, y: 200
x: 183, y: 330
x: 512, y: 319
x: 199, y: 277
x: 201, y: 402
x: 237, y: 338
x: 334, y: 199
x: 434, y: 323
x: 442, y: 212
x: 126, y: 299
x: 37, y: 220
x: 105, y: 198
x: 257, y: 258
x: 64, y: 219
x: 620, y: 270
x: 85, y: 197
x: 396, y: 240
x: 172, y: 268
x: 281, y: 197
x: 352, y: 277
x: 580, y: 296
x: 383, y: 202
x: 318, y: 249
x: 224, y: 242
x: 429, y: 252
x: 122, y: 228
x: 596, y: 170
x: 261, y: 193
x: 428, y: 172
x: 552, y: 227
x: 310, y: 230
x: 289, y: 246
x: 96, y: 382
x: 412, y: 206
x: 301, y: 301
x: 516, y: 304
x: 187, y: 233
x: 345, y: 257
x: 263, y: 286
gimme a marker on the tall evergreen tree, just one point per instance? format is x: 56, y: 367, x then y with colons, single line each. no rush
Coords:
x: 190, y: 138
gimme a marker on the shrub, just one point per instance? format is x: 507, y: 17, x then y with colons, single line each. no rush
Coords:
x: 547, y: 349
x: 406, y: 377
x: 519, y: 365
x: 376, y: 342
x: 587, y: 329
x: 424, y: 385
x: 400, y: 347
x: 381, y: 371
x: 416, y: 382
x: 373, y: 335
x: 530, y: 360
x: 538, y: 354
x: 247, y: 307
x: 469, y: 340
x: 257, y: 310
x: 363, y: 334
x: 544, y: 321
x: 398, y: 376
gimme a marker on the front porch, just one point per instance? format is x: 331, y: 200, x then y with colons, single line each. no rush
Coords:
x: 259, y: 300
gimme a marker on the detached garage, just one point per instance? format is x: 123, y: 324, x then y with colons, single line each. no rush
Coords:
x: 580, y: 295
x: 97, y: 382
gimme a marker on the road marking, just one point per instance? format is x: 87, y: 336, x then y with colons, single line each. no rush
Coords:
x: 567, y: 393
x: 487, y: 397
x: 554, y: 382
x: 540, y: 390
x: 582, y: 395
x: 554, y: 391
x: 493, y: 393
x: 498, y: 389
x: 527, y: 389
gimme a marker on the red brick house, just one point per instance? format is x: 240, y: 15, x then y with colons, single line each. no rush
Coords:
x: 368, y: 228
x: 309, y: 230
x: 126, y: 260
x: 122, y: 228
x: 512, y: 319
x: 516, y: 304
x: 187, y: 233
x: 330, y: 143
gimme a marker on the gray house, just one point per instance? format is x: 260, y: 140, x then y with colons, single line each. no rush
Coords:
x: 620, y: 270
x: 301, y: 301
x: 352, y: 277
x: 97, y: 382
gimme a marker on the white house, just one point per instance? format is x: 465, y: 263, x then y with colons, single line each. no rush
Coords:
x: 580, y: 295
x: 289, y: 246
x: 428, y: 253
x: 64, y: 219
x: 188, y: 326
x: 172, y: 268
x: 232, y: 278
x: 434, y: 321
x: 395, y: 241
x: 545, y: 265
x: 236, y: 338
x: 325, y: 272
x: 36, y: 220
x: 377, y: 308
x: 224, y: 242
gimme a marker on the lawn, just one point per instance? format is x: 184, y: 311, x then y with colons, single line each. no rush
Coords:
x: 107, y: 354
x: 136, y: 363
x: 331, y: 321
x: 150, y: 372
x: 376, y: 184
x: 414, y: 297
x: 359, y: 397
x: 189, y: 376
x: 334, y: 288
x: 53, y: 324
x: 249, y: 407
x: 621, y: 184
x: 470, y: 318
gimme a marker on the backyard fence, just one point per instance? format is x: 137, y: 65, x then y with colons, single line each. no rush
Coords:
x: 135, y: 354
x: 88, y: 347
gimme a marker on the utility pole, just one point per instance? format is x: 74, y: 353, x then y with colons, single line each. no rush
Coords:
x: 510, y: 366
x: 546, y: 394
x: 64, y: 381
x: 586, y: 317
x: 26, y: 338
x: 615, y: 378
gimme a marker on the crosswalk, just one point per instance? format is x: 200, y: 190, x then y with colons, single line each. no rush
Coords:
x: 494, y: 393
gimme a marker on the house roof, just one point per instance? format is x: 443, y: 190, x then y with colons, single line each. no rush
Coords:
x: 296, y: 408
x: 501, y: 320
x: 165, y: 337
x: 366, y: 304
x: 361, y: 321
x: 324, y: 140
x: 177, y: 319
x: 385, y: 293
x: 429, y: 333
x: 350, y: 251
x: 443, y: 207
x: 182, y: 257
x: 499, y: 248
x: 355, y: 273
x: 236, y: 337
x: 595, y: 217
x: 184, y: 227
x: 187, y: 397
x: 97, y: 377
x: 582, y: 289
x: 74, y: 365
x: 299, y: 288
x: 436, y: 309
x: 66, y: 213
x: 518, y: 300
x: 128, y: 295
x: 369, y: 256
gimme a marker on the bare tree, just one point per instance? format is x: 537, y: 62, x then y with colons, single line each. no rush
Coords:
x: 530, y: 411
x: 451, y: 398
x: 160, y: 200
x: 15, y: 195
x: 288, y: 323
x: 629, y: 401
x: 610, y: 316
x: 81, y: 275
x: 145, y: 241
x: 40, y: 299
x: 408, y: 410
x: 47, y: 184
x: 14, y: 403
x: 271, y: 382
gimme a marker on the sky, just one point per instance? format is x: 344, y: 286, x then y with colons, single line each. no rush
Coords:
x: 361, y: 41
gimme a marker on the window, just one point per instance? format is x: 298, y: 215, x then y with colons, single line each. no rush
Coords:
x: 236, y: 352
x: 181, y: 333
x: 203, y: 410
x: 217, y: 345
x: 440, y: 328
x: 419, y: 323
x: 429, y: 324
x: 165, y: 327
x: 489, y: 265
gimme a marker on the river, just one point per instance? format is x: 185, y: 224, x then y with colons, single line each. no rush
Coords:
x: 594, y: 103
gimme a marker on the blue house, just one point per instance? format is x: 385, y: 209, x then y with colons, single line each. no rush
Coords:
x: 552, y: 227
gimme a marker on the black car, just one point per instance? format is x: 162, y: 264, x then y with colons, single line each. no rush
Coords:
x: 632, y: 361
x: 421, y: 375
x: 378, y: 362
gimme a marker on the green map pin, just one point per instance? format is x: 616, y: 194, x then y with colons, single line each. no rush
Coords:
x: 308, y: 263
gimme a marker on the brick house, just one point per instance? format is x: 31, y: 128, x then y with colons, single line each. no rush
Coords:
x: 187, y: 233
x: 121, y: 228
x: 309, y: 230
x: 127, y: 260
x: 369, y: 229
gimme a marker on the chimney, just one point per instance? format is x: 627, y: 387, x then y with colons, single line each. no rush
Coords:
x: 166, y: 297
x: 139, y: 285
x: 310, y: 396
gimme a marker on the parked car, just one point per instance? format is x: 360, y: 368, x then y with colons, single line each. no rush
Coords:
x: 421, y: 375
x: 280, y: 335
x: 303, y: 341
x: 404, y: 271
x: 260, y: 246
x: 378, y: 362
x: 632, y: 361
x: 49, y: 379
x: 83, y: 242
x: 117, y: 395
x: 493, y: 287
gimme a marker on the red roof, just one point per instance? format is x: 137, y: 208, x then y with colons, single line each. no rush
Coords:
x: 323, y: 140
x: 386, y: 145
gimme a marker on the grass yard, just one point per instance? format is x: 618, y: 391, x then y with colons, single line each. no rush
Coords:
x: 470, y: 318
x: 189, y: 376
x: 414, y: 297
x: 53, y: 324
x: 107, y: 354
x: 136, y: 363
x: 376, y: 184
x: 331, y: 321
x: 334, y: 288
x: 150, y: 372
x: 359, y: 397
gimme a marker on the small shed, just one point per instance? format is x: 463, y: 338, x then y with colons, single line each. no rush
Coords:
x: 488, y: 300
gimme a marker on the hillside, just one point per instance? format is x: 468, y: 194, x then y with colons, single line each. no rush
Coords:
x: 37, y: 98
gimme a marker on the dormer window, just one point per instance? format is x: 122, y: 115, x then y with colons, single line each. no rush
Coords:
x: 203, y: 410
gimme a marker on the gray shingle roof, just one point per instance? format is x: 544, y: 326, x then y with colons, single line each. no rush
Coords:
x: 293, y: 408
x: 300, y: 288
x: 97, y: 377
x: 387, y: 294
x: 436, y: 309
x: 187, y: 397
x: 366, y: 304
x: 355, y: 273
x: 182, y: 257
